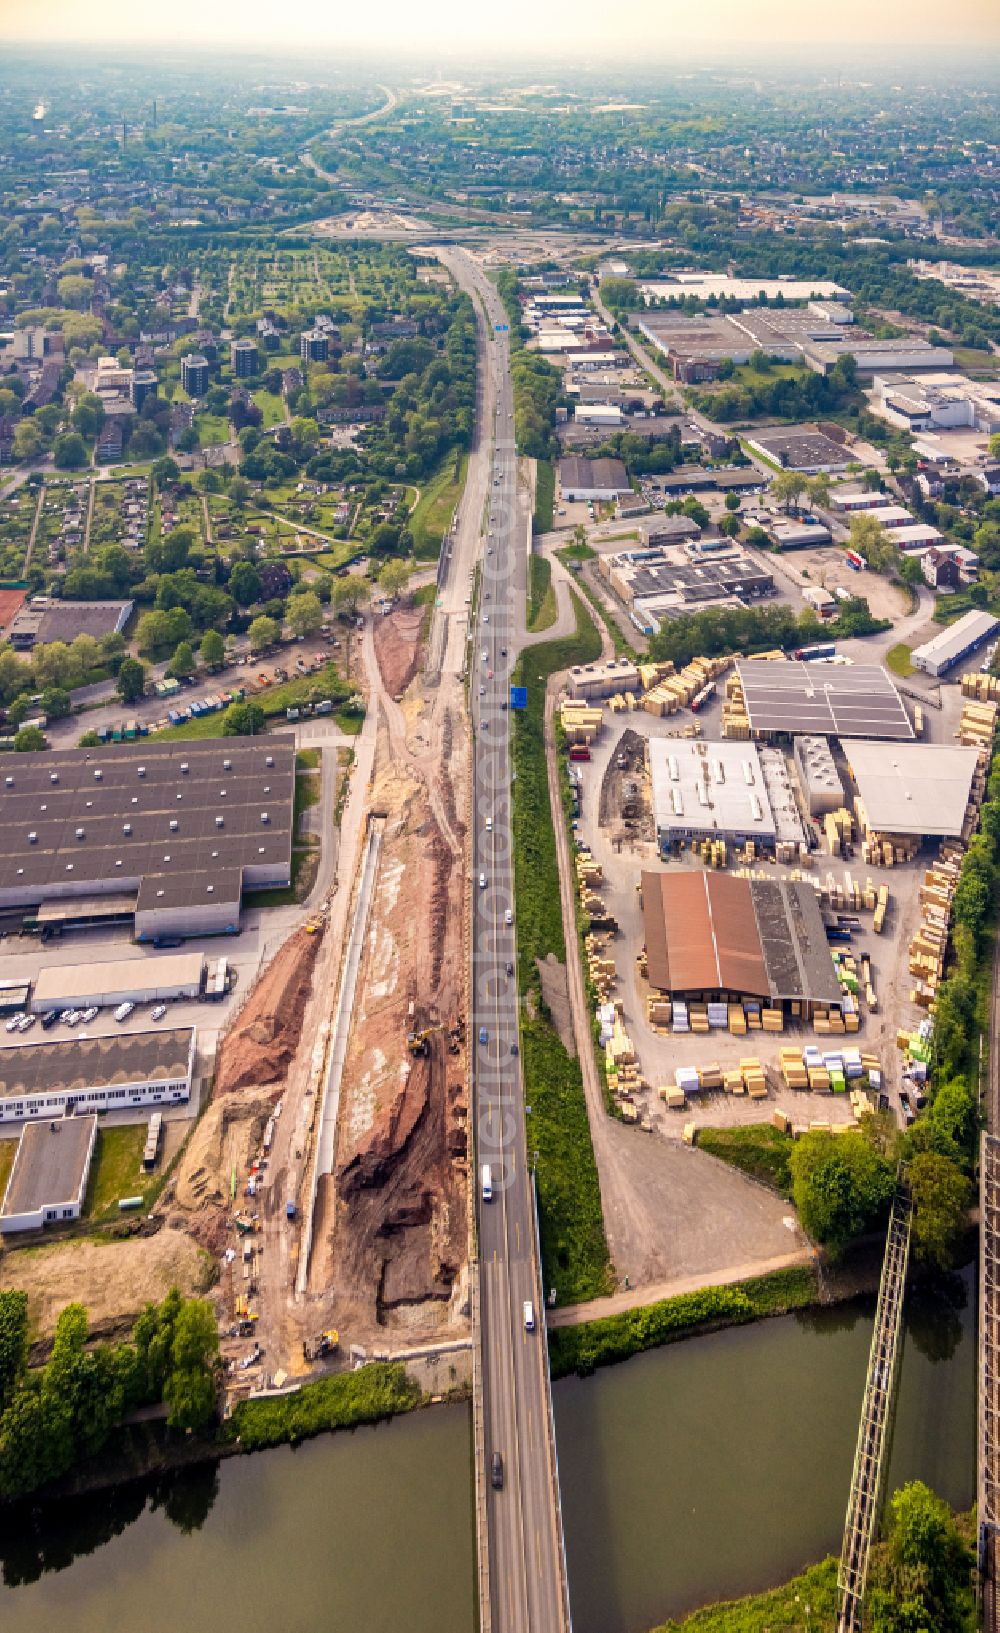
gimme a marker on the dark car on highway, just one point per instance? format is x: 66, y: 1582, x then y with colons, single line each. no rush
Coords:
x: 496, y: 1472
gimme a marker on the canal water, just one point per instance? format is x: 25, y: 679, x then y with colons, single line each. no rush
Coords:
x: 704, y: 1470
x: 721, y: 1466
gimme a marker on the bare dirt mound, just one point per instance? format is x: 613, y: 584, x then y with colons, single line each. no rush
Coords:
x: 113, y: 1279
x: 260, y: 1044
x: 402, y: 1200
x: 393, y: 1243
x: 397, y: 647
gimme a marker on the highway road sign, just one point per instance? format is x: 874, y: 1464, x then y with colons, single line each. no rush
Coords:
x: 519, y: 697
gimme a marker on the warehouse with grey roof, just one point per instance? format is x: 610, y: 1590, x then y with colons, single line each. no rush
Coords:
x: 176, y: 830
x: 118, y: 1072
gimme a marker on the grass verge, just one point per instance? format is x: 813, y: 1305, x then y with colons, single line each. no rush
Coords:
x: 117, y: 1172
x: 574, y: 1249
x: 758, y: 1149
x: 898, y: 660
x: 545, y: 495
x: 431, y: 517
x: 541, y: 595
x: 623, y: 648
x: 342, y: 1401
x: 8, y: 1151
x: 617, y: 1337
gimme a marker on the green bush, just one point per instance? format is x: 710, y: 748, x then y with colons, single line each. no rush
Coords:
x: 615, y: 1338
x: 341, y: 1401
x: 758, y: 1149
x: 779, y: 1610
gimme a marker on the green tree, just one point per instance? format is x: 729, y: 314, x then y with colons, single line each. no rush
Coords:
x: 263, y: 632
x: 942, y: 1197
x: 13, y: 1343
x: 190, y: 1394
x: 244, y: 583
x: 75, y: 291
x: 89, y: 739
x: 88, y: 415
x: 349, y: 594
x: 130, y: 681
x: 29, y: 740
x: 819, y: 489
x: 925, y: 1582
x: 393, y: 579
x: 788, y: 488
x: 995, y: 445
x: 56, y: 703
x: 732, y: 502
x: 182, y: 663
x: 841, y: 1187
x: 160, y: 631
x: 305, y: 613
x: 69, y: 451
x: 196, y: 1336
x: 243, y: 720
x: 213, y: 649
x: 28, y: 440
x: 52, y: 664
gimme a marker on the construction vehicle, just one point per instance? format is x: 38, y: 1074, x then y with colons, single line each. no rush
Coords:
x: 418, y: 1043
x: 314, y: 1349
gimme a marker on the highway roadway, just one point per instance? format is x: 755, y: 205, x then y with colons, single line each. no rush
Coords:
x: 526, y: 1566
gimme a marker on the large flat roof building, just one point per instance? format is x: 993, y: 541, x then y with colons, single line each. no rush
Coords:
x: 708, y: 791
x: 180, y: 828
x: 121, y: 1072
x: 592, y: 478
x: 702, y: 285
x: 714, y: 933
x: 914, y: 788
x: 48, y: 1181
x: 824, y: 700
x: 799, y: 448
x: 42, y: 620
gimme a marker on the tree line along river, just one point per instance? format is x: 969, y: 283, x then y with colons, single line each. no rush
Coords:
x: 707, y: 1469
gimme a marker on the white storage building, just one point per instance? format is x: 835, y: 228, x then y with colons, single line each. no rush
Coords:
x: 941, y: 653
x: 153, y: 978
x: 48, y: 1181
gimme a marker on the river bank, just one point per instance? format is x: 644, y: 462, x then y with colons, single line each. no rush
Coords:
x: 695, y: 1472
x: 145, y: 1449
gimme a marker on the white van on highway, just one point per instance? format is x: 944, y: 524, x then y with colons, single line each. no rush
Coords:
x: 482, y: 881
x: 487, y: 1182
x: 529, y: 1316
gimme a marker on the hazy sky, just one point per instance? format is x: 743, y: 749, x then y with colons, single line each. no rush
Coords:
x: 639, y: 28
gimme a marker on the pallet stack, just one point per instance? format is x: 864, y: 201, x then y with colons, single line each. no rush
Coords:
x: 839, y: 828
x: 675, y: 691
x: 581, y: 721
x: 977, y: 727
x: 735, y: 720
x: 981, y: 687
x: 793, y: 1069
